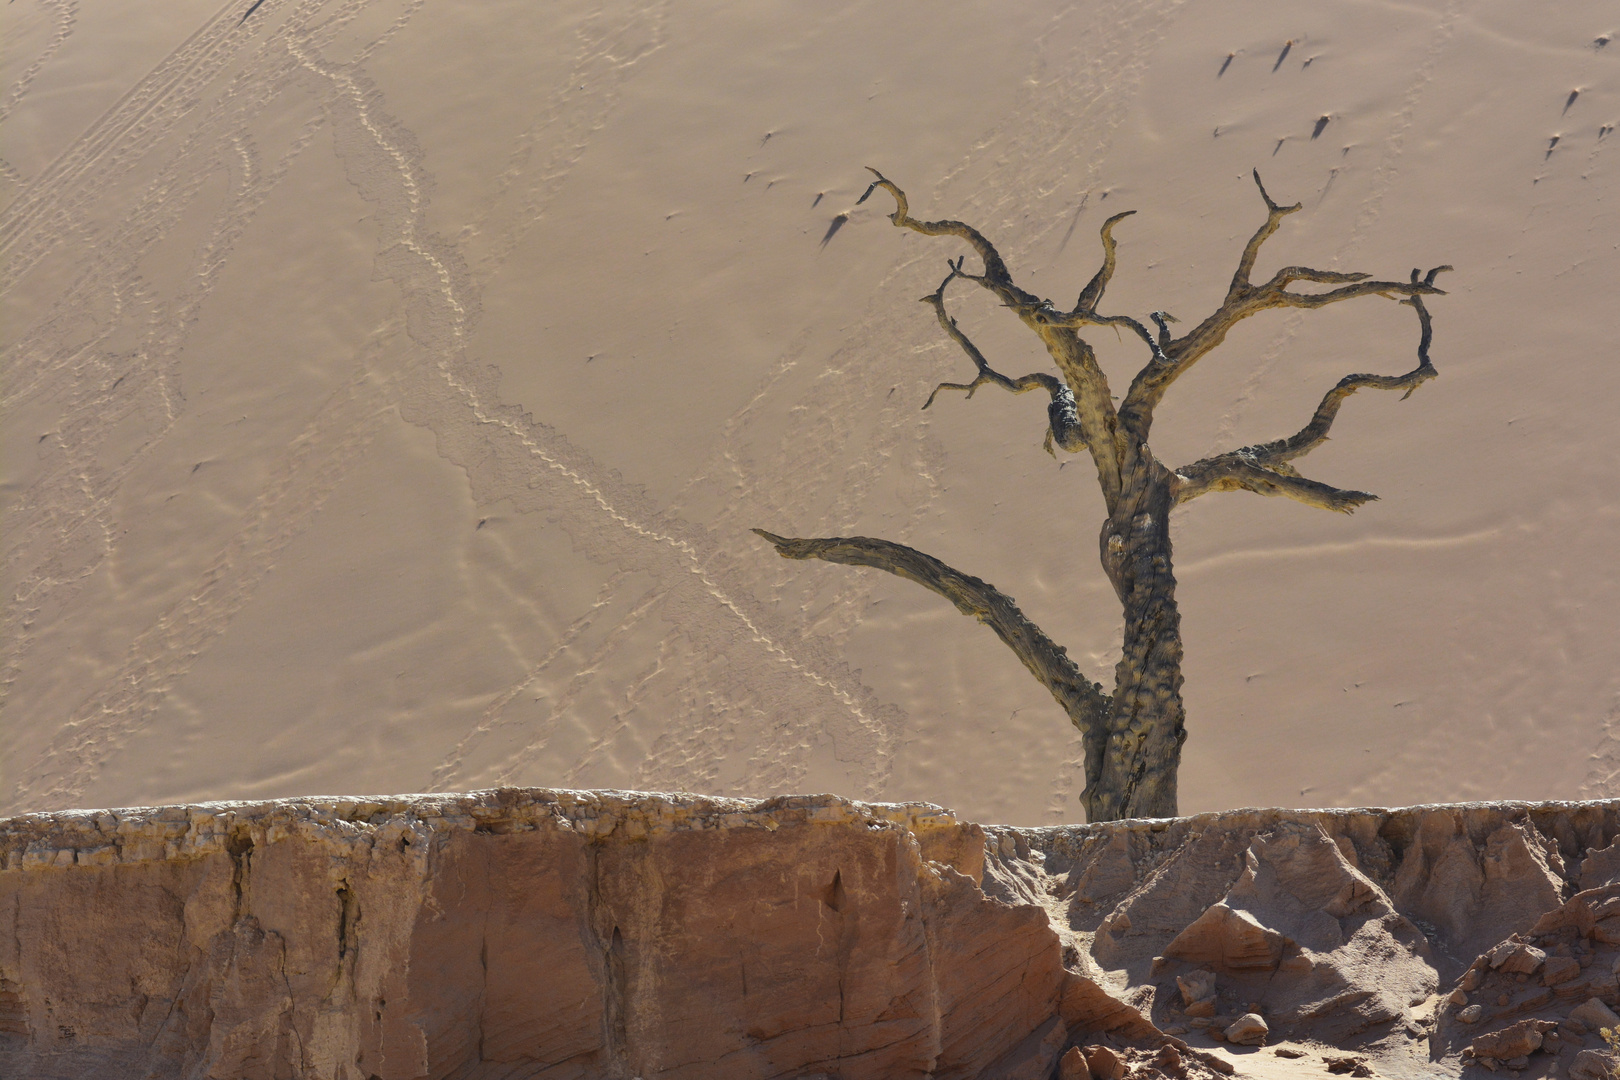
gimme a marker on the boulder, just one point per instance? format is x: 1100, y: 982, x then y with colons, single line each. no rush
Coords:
x: 1560, y: 969
x: 1072, y: 1066
x: 1250, y: 1029
x: 1593, y: 1065
x: 1516, y: 958
x: 1515, y: 1040
x: 1601, y: 866
x: 1595, y: 1015
x: 1228, y: 940
x: 1104, y: 1064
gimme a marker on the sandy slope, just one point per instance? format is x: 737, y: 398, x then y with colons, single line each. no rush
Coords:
x: 389, y: 388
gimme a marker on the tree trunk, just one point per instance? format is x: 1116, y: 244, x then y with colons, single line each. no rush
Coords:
x: 1132, y: 772
x: 1133, y: 740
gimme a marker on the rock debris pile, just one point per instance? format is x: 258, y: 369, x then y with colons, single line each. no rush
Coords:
x: 573, y: 935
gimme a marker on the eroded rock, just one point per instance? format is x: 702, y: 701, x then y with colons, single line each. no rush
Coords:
x: 678, y: 937
x: 1593, y: 1065
x: 1515, y: 1040
x: 1250, y: 1029
x: 1595, y: 1015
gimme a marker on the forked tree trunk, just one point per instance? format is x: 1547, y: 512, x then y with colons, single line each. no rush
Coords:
x: 1135, y: 774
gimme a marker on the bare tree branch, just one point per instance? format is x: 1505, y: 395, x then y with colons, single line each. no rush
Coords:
x: 1092, y: 422
x: 1234, y: 472
x: 1244, y: 299
x: 1251, y: 250
x: 996, y: 277
x: 1063, y: 423
x: 1049, y: 662
x: 1092, y: 293
x: 1265, y: 468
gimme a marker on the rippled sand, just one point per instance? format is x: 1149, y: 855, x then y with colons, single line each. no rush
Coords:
x: 389, y: 389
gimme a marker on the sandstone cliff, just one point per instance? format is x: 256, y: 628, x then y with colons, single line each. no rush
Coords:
x: 561, y: 934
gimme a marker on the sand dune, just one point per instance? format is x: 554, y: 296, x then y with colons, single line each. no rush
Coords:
x: 390, y: 387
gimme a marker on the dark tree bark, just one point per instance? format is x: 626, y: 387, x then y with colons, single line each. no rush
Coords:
x: 1132, y: 738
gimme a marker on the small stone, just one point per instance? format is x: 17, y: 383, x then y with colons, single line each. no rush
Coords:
x: 1072, y: 1066
x: 1168, y: 1059
x: 1205, y: 1008
x: 1457, y: 998
x: 1560, y: 969
x: 1595, y: 1014
x: 1288, y: 1052
x: 1346, y: 1065
x: 1471, y: 1015
x: 1176, y: 1029
x: 1471, y: 980
x: 1250, y: 1029
x: 1518, y: 1062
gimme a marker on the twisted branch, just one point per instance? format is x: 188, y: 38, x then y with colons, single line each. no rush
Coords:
x: 1265, y: 468
x: 1084, y: 415
x: 1048, y: 661
x: 995, y: 278
x: 1251, y: 250
x: 1244, y: 299
x: 1092, y: 293
x: 1234, y: 472
x: 1063, y: 423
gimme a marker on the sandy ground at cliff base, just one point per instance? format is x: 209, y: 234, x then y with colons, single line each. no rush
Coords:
x: 389, y: 388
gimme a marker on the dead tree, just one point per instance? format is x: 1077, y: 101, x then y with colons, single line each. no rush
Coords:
x: 1133, y: 737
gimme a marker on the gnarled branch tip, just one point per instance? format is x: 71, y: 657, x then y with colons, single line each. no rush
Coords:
x: 1270, y: 205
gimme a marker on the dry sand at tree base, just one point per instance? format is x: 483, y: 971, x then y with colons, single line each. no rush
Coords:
x: 390, y: 387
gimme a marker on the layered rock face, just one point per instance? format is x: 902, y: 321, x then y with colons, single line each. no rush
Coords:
x: 556, y: 934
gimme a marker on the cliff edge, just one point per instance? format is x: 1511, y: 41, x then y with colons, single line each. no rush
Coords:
x: 563, y: 934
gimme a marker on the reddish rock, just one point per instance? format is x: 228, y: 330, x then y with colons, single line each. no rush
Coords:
x: 1593, y: 1065
x: 1560, y: 969
x: 1514, y: 958
x: 1104, y: 1064
x: 1250, y: 1029
x: 1595, y: 1015
x: 1513, y: 1041
x: 576, y: 935
x: 1073, y: 1065
x: 1228, y: 940
x: 677, y: 937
